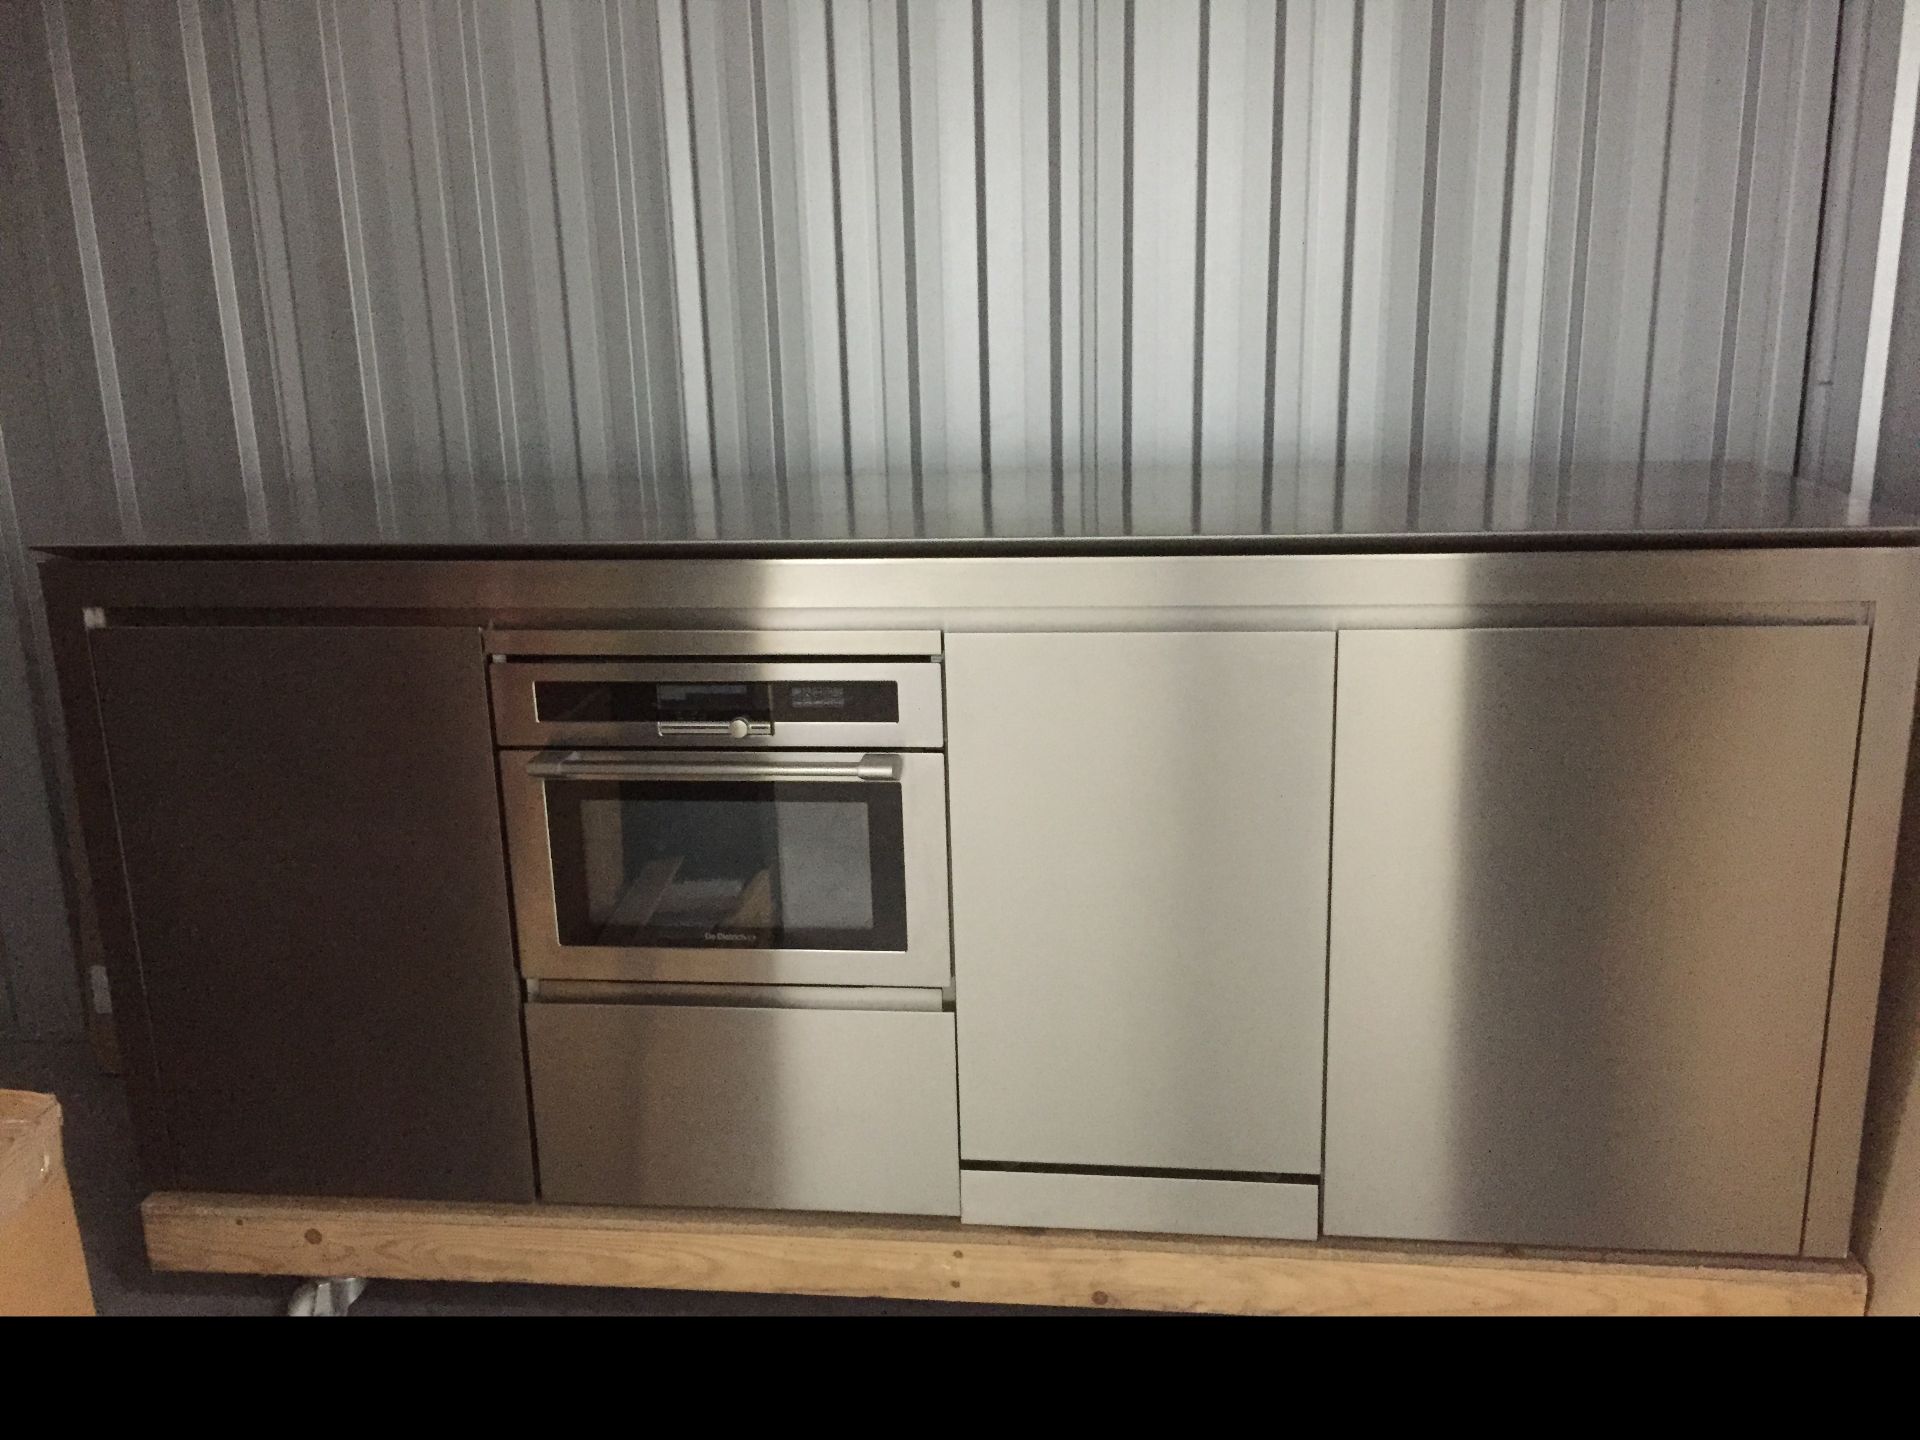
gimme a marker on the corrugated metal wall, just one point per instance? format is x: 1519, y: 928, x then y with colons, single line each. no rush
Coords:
x: 299, y: 270
x: 358, y: 268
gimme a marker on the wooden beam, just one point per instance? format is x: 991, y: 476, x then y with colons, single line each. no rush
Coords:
x: 917, y: 1260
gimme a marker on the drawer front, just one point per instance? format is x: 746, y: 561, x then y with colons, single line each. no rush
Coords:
x: 745, y: 1108
x: 1166, y: 1205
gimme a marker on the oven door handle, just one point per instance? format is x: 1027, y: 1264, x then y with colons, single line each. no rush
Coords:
x: 586, y: 765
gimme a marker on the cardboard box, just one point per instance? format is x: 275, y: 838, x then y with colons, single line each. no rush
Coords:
x: 42, y: 1268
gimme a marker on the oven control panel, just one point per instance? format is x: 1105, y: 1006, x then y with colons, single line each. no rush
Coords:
x: 826, y: 703
x: 756, y: 704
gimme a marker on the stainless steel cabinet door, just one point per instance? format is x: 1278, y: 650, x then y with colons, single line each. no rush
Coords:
x: 1584, y: 894
x: 311, y: 836
x: 1140, y: 887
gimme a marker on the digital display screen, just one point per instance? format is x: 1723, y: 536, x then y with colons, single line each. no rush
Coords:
x: 711, y: 702
x: 851, y: 700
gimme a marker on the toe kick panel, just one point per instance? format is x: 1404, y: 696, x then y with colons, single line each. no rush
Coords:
x: 1155, y: 1204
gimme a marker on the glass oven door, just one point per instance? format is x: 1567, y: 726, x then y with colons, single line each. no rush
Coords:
x: 796, y: 868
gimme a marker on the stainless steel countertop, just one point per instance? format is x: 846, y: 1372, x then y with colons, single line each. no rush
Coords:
x: 1452, y: 509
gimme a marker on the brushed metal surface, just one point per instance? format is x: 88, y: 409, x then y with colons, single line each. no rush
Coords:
x: 926, y: 962
x: 1667, y: 574
x: 1156, y: 1204
x: 1140, y: 889
x: 1585, y: 886
x: 744, y: 1108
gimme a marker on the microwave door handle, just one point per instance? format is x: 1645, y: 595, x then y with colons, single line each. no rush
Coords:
x: 577, y: 765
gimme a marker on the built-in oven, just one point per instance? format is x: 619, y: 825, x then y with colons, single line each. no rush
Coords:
x: 760, y: 821
x: 729, y: 858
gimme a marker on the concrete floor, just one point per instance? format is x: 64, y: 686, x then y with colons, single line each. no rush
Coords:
x: 107, y: 1192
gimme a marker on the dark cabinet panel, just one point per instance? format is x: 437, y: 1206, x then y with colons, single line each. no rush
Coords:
x: 313, y: 855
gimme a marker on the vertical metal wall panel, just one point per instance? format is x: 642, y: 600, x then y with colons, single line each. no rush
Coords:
x: 1042, y: 183
x: 1763, y: 371
x: 340, y: 130
x: 1563, y: 260
x: 226, y: 283
x: 197, y: 489
x: 137, y: 135
x: 1073, y: 244
x: 1167, y: 85
x: 1287, y: 276
x: 556, y: 508
x: 653, y: 333
x: 1231, y: 381
x: 851, y: 78
x: 689, y: 283
x: 1631, y: 154
x: 388, y: 209
x: 244, y: 123
x: 728, y: 116
x: 1015, y: 143
x: 1898, y: 475
x: 893, y: 202
x: 733, y: 296
x: 1522, y: 475
x: 579, y: 111
x: 456, y: 270
x: 313, y: 298
x: 1710, y: 160
x: 1309, y: 307
x: 1390, y: 197
x: 54, y: 411
x: 609, y: 378
x: 1107, y: 391
x: 820, y: 456
x: 793, y: 319
x: 939, y: 83
x: 92, y: 266
x: 1477, y: 45
x: 1856, y: 169
x: 1332, y: 90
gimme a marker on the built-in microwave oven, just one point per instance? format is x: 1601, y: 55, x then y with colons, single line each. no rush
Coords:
x: 773, y: 821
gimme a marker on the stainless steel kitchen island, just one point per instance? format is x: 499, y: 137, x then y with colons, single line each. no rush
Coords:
x: 1509, y: 888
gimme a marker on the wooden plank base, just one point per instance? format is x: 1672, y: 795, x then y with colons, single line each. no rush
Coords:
x: 920, y: 1260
